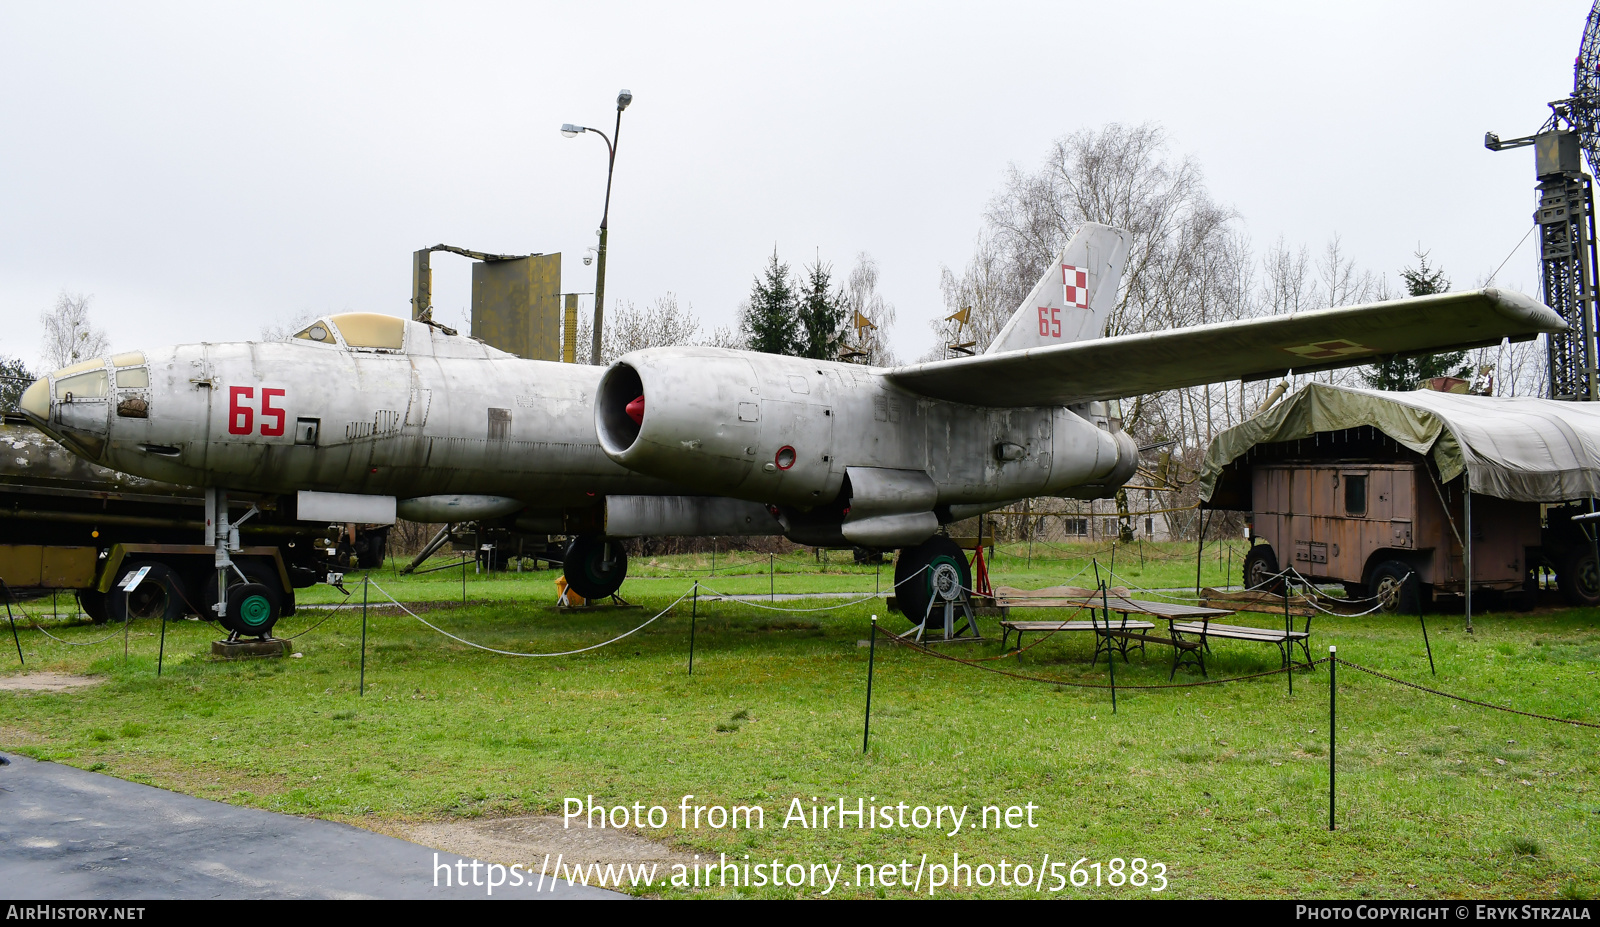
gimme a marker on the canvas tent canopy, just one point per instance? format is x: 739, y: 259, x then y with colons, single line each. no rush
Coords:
x: 1524, y: 449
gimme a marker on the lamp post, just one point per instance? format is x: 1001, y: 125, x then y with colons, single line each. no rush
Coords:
x: 571, y: 131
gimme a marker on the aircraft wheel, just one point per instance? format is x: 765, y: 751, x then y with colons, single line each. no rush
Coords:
x: 917, y: 573
x: 252, y: 609
x: 1261, y: 569
x: 160, y: 594
x: 595, y: 566
x: 257, y: 571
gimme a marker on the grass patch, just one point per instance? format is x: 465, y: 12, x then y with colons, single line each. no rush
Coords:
x: 1225, y: 785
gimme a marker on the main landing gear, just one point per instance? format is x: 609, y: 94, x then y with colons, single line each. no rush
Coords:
x: 595, y: 566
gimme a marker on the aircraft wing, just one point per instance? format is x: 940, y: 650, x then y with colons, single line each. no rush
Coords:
x: 1248, y: 349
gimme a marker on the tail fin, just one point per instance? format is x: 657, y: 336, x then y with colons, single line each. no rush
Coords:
x: 1074, y: 297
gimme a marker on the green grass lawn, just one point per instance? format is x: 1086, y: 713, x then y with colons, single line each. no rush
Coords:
x: 1224, y: 785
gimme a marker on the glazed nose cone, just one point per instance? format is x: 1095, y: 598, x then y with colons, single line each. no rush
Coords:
x: 35, y: 402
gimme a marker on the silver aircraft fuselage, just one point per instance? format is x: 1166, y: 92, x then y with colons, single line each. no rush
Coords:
x: 418, y: 412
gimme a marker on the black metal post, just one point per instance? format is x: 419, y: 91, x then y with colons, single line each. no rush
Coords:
x: 772, y: 579
x: 872, y: 654
x: 693, y: 620
x: 1111, y: 658
x: 1199, y: 549
x: 1333, y: 716
x: 1425, y: 631
x: 463, y: 579
x: 161, y: 655
x: 364, y: 628
x: 1288, y: 644
x: 13, y: 619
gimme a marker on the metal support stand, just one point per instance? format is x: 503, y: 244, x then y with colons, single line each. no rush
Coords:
x: 948, y: 593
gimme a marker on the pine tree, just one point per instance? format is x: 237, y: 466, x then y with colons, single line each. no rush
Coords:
x: 822, y: 313
x: 1407, y: 373
x: 770, y: 323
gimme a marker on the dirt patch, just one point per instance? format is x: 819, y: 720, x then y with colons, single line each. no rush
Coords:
x: 47, y: 682
x: 527, y: 839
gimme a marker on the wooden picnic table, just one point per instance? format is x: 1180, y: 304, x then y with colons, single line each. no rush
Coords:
x: 1119, y: 635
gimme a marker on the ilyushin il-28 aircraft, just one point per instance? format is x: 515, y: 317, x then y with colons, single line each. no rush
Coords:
x: 362, y: 417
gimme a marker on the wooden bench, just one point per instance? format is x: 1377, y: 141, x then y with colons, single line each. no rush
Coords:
x: 1283, y: 639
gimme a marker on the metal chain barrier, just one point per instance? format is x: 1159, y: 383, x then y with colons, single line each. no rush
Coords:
x: 513, y: 653
x: 919, y: 648
x: 1461, y: 698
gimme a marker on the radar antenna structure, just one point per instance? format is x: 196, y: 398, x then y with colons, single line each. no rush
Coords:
x: 1565, y: 217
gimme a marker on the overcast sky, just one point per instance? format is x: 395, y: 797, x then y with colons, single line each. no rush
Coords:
x: 206, y: 169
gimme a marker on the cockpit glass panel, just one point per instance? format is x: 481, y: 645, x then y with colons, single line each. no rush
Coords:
x: 133, y: 378
x: 316, y: 331
x: 371, y: 330
x: 130, y: 359
x: 83, y: 386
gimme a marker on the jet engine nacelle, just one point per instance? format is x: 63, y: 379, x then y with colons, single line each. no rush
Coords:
x: 704, y: 418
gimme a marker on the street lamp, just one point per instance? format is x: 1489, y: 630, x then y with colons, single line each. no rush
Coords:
x: 573, y: 131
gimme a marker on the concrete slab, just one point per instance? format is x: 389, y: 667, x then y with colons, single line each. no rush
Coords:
x: 66, y: 833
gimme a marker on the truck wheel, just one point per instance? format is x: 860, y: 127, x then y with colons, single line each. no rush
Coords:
x: 595, y: 566
x: 914, y: 576
x: 252, y: 609
x: 1396, y: 587
x: 161, y: 594
x: 93, y: 603
x: 1578, y: 578
x: 1261, y: 570
x: 371, y: 547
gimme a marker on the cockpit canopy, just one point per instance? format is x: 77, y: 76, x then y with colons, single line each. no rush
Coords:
x: 376, y: 332
x: 359, y: 330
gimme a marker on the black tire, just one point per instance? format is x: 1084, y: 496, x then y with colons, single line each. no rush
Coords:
x: 371, y: 547
x: 161, y: 594
x: 594, y: 566
x: 1261, y: 569
x: 260, y: 572
x: 1396, y: 587
x: 1578, y: 577
x: 93, y: 603
x: 253, y: 608
x: 913, y: 575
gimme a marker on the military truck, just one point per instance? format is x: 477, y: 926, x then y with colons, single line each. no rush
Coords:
x: 71, y: 525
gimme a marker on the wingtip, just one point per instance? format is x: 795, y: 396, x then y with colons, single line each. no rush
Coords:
x: 1525, y: 308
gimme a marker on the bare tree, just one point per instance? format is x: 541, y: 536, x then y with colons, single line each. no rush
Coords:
x: 287, y: 325
x: 69, y: 337
x: 986, y: 294
x: 862, y: 298
x: 661, y: 324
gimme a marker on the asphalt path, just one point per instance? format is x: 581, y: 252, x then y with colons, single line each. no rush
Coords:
x: 66, y: 833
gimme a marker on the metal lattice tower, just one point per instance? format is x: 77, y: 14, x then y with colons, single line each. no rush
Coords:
x: 1565, y: 217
